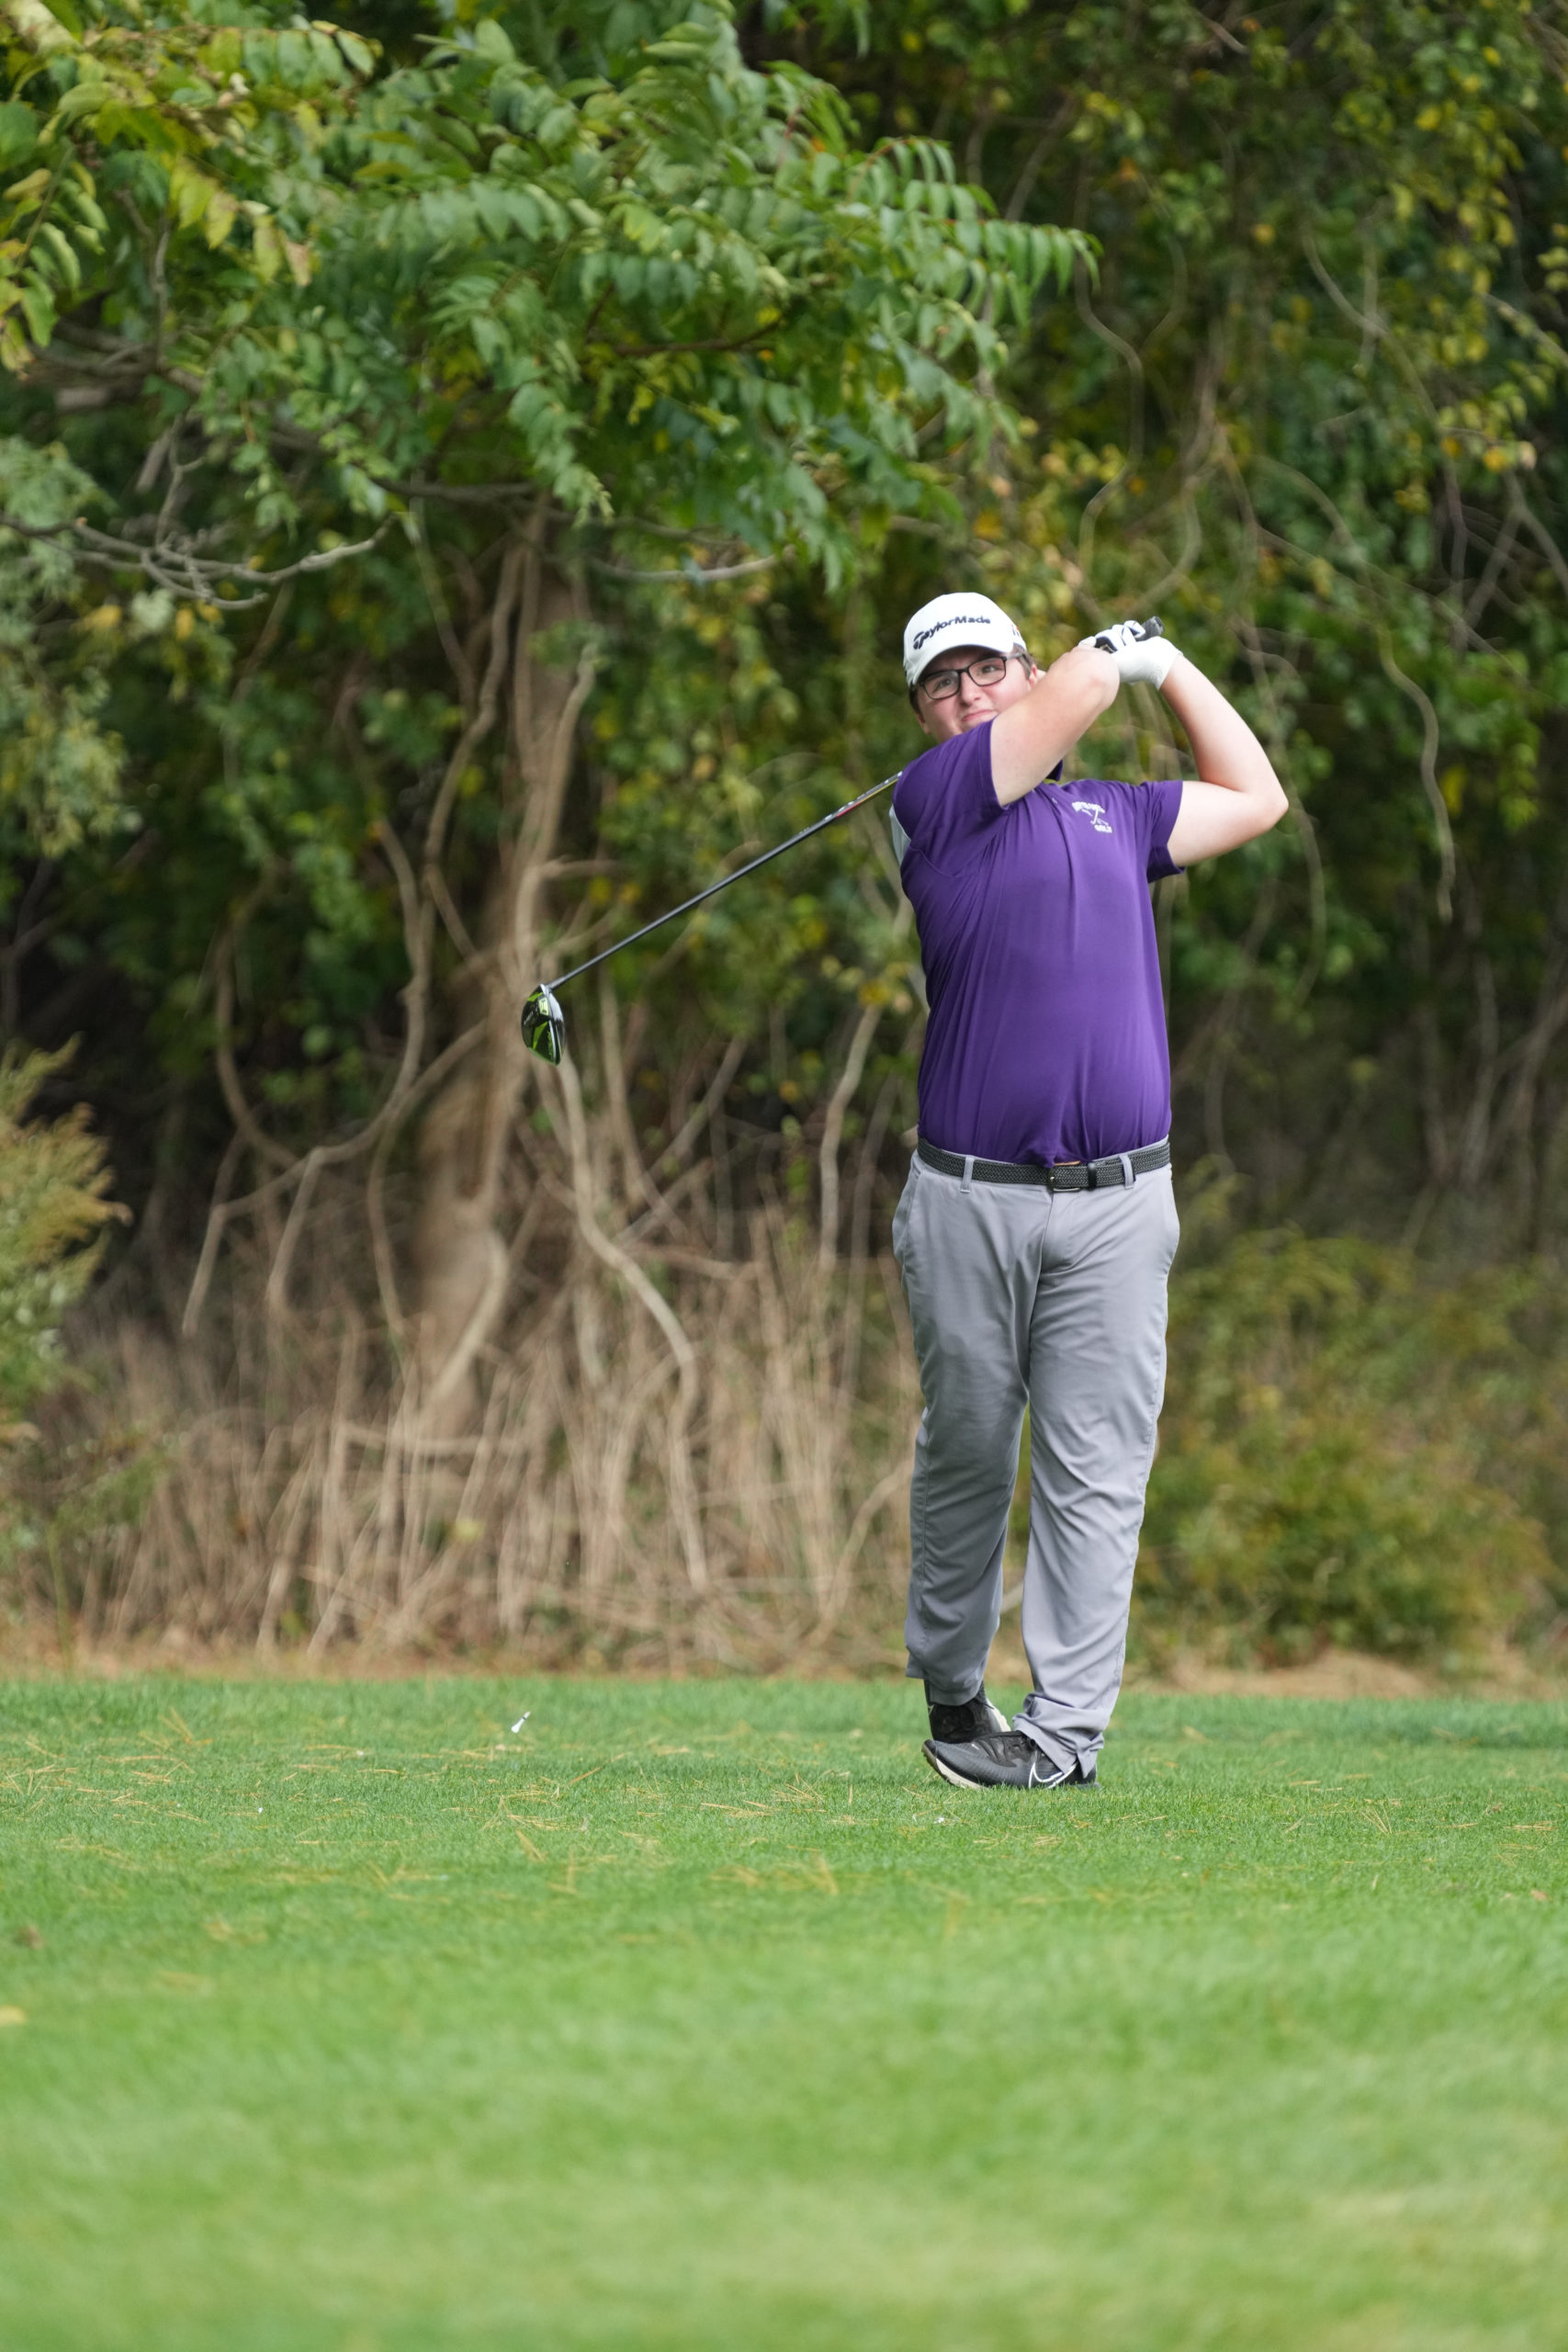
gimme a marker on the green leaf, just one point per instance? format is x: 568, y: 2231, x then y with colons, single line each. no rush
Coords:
x: 358, y: 52
x: 266, y: 248
x: 18, y: 133
x: 190, y: 191
x: 40, y: 29
x: 52, y: 241
x: 38, y: 307
x: 219, y: 217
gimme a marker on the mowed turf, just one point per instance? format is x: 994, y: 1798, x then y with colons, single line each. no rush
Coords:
x: 702, y: 2015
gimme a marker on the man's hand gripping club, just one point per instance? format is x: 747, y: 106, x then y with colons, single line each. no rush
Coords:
x: 1143, y: 655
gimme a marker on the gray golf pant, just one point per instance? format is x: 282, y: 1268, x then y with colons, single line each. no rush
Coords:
x: 1056, y: 1300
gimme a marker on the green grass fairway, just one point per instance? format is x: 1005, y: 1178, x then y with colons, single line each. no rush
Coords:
x: 701, y: 2015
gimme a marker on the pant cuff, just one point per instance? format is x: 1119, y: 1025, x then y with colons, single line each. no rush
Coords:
x: 945, y: 1694
x: 1062, y: 1757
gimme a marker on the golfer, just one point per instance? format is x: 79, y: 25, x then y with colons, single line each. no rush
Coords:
x: 1036, y: 1230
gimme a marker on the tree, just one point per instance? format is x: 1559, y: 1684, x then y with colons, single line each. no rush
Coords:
x: 556, y: 308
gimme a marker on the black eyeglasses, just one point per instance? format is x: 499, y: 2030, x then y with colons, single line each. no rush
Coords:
x: 940, y: 685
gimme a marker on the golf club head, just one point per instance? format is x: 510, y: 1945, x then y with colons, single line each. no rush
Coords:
x: 544, y: 1025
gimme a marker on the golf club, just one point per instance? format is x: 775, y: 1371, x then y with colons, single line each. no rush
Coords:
x: 544, y: 1024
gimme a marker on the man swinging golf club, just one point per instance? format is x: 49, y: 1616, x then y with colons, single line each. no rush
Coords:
x: 1037, y: 1226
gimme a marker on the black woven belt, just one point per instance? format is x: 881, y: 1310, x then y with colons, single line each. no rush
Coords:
x: 1068, y: 1176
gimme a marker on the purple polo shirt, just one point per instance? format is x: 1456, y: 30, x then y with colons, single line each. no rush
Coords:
x: 1046, y: 1039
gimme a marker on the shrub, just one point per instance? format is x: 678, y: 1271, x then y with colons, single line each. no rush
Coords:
x: 52, y: 1182
x: 53, y: 1212
x: 1354, y: 1452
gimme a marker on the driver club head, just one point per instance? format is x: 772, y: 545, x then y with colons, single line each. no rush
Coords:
x: 544, y: 1025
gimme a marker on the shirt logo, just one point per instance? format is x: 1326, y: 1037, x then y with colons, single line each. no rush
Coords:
x: 1095, y: 815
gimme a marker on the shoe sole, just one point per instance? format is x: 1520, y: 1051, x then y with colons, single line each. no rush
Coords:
x: 946, y: 1772
x: 957, y: 1780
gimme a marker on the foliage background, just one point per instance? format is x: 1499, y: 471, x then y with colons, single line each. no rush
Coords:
x: 1253, y: 318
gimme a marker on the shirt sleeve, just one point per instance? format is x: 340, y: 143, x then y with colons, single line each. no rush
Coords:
x: 945, y: 800
x: 1160, y: 805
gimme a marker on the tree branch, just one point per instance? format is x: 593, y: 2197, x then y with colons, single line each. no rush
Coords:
x: 177, y: 566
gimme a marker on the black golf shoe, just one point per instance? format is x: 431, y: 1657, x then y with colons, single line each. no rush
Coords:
x: 972, y: 1720
x: 1007, y: 1760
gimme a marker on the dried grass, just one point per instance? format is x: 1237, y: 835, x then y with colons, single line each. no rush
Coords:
x: 740, y: 1499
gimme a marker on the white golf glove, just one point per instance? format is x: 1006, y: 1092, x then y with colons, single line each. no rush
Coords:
x: 1141, y: 651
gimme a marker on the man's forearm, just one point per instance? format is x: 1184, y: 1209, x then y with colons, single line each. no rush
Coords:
x: 1028, y: 741
x: 1238, y: 796
x: 1226, y: 749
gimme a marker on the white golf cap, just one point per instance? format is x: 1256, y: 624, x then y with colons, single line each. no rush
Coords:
x: 948, y: 621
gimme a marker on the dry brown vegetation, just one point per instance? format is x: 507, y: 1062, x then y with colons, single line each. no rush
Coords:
x: 677, y: 1454
x: 690, y: 1438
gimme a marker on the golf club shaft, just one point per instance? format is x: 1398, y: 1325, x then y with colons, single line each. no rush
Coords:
x: 739, y: 876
